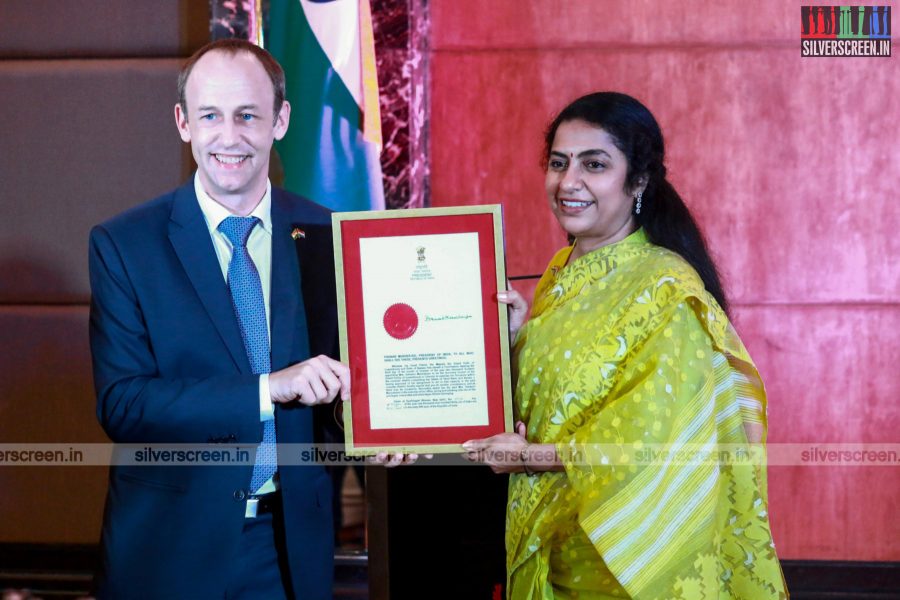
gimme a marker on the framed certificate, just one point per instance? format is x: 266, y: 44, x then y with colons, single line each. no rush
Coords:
x: 421, y: 328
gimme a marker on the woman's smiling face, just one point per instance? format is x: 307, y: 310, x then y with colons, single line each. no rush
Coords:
x: 586, y: 189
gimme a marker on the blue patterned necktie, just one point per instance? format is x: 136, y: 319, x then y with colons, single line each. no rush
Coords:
x: 250, y: 308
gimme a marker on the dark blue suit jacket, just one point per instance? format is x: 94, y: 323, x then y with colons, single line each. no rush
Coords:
x: 170, y: 367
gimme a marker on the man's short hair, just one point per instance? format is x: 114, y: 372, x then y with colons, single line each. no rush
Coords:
x: 232, y: 46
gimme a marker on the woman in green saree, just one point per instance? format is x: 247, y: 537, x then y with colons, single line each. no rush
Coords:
x: 638, y: 404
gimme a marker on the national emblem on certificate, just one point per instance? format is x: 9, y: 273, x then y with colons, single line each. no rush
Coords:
x: 421, y: 329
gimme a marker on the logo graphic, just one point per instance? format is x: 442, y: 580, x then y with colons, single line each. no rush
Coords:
x: 845, y: 30
x: 421, y: 252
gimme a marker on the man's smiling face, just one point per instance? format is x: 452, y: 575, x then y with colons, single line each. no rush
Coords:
x: 231, y: 126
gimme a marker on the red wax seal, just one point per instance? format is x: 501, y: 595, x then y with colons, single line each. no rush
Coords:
x: 400, y: 321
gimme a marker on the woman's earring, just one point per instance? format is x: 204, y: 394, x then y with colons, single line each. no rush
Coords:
x: 637, y: 203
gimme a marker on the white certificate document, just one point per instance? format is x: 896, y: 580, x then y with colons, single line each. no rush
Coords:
x: 422, y: 308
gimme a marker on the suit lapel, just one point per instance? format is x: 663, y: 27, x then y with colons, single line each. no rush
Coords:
x: 285, y: 289
x: 189, y: 235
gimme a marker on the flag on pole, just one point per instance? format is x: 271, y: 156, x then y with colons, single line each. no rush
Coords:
x: 331, y: 151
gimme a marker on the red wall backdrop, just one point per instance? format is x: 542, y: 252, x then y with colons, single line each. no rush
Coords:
x: 791, y: 165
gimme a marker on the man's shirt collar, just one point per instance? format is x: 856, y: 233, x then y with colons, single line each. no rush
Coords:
x: 215, y: 213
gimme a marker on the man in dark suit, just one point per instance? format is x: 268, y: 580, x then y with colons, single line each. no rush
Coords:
x: 200, y: 335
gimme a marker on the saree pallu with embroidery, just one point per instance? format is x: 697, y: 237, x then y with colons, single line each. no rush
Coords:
x: 632, y: 370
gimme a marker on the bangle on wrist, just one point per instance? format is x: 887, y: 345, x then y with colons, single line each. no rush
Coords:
x: 523, y: 455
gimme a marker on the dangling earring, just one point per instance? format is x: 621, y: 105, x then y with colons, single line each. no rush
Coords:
x: 637, y: 203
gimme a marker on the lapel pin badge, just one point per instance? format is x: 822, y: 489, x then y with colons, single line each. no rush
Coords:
x: 298, y: 234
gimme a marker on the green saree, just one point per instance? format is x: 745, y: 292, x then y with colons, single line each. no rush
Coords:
x: 625, y: 353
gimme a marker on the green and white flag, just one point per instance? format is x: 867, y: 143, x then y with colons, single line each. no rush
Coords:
x: 331, y: 151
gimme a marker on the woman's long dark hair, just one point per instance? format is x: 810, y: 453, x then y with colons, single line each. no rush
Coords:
x: 664, y: 216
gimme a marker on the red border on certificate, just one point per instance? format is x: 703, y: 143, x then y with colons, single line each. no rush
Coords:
x: 351, y: 233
